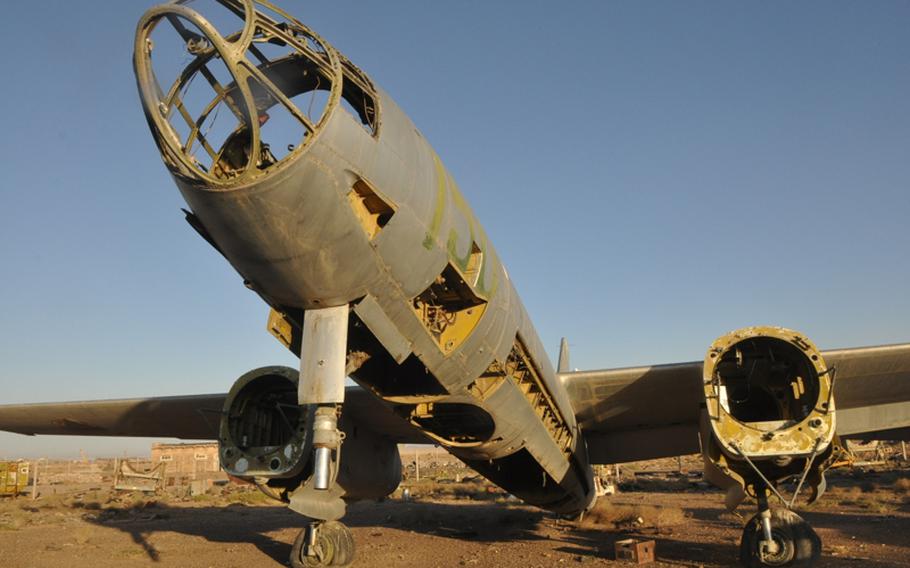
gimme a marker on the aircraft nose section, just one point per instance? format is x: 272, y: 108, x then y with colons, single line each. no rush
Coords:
x: 232, y: 92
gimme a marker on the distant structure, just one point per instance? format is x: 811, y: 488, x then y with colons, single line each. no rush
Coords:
x: 189, y: 462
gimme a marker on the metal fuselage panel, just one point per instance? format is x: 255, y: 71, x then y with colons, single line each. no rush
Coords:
x: 294, y: 237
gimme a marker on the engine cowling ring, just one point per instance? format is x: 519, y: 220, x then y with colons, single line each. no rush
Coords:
x: 768, y: 394
x: 263, y: 431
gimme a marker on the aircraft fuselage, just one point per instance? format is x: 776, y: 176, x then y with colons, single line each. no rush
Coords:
x: 363, y: 212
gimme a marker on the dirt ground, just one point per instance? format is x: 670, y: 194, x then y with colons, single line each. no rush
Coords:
x: 864, y: 521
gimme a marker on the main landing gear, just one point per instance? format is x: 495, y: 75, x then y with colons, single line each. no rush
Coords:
x: 323, y: 366
x: 323, y: 543
x: 778, y: 538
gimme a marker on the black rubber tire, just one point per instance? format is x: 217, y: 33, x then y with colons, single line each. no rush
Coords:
x: 335, y: 547
x: 800, y: 546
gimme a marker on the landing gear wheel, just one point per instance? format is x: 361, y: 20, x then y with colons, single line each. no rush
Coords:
x: 333, y: 546
x: 797, y: 544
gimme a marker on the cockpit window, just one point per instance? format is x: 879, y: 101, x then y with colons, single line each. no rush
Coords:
x: 219, y: 104
x: 194, y: 91
x: 229, y: 94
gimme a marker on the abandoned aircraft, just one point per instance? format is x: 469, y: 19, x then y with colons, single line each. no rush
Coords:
x: 334, y: 209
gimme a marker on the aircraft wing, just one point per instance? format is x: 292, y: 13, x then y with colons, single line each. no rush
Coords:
x: 651, y: 412
x: 194, y: 417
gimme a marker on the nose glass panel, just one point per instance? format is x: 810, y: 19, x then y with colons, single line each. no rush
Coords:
x: 236, y: 95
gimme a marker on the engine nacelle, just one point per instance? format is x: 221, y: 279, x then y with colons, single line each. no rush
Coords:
x: 769, y: 409
x: 768, y: 393
x: 266, y: 437
x: 264, y: 432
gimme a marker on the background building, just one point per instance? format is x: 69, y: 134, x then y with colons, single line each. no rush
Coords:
x: 189, y: 461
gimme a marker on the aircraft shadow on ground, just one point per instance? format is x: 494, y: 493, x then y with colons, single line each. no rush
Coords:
x: 474, y: 522
x: 229, y: 524
x: 668, y: 483
x: 868, y: 529
x: 682, y: 552
x: 487, y: 523
x: 680, y: 549
x: 601, y: 544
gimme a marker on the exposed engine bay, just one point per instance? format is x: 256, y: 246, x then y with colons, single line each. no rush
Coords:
x: 769, y: 410
x: 769, y: 419
x: 266, y: 438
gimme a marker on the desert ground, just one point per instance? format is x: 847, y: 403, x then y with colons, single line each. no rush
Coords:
x: 451, y: 519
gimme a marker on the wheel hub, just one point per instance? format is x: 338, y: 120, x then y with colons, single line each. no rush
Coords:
x: 775, y: 552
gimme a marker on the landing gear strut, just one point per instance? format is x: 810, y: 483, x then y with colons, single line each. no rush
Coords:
x: 323, y: 543
x: 323, y: 367
x: 778, y: 538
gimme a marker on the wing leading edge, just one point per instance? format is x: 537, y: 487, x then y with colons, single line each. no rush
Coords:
x: 641, y: 413
x: 194, y: 417
x: 189, y: 417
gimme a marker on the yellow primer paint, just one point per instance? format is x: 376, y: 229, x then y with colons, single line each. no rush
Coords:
x: 779, y: 438
x: 456, y: 333
x: 281, y: 328
x: 449, y: 320
x: 370, y: 208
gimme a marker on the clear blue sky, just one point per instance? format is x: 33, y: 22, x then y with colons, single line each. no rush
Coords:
x: 653, y: 174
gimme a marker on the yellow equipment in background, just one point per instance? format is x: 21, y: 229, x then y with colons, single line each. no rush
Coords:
x: 13, y: 477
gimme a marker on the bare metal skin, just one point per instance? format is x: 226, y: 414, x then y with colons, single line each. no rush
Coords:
x: 290, y: 230
x: 330, y: 204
